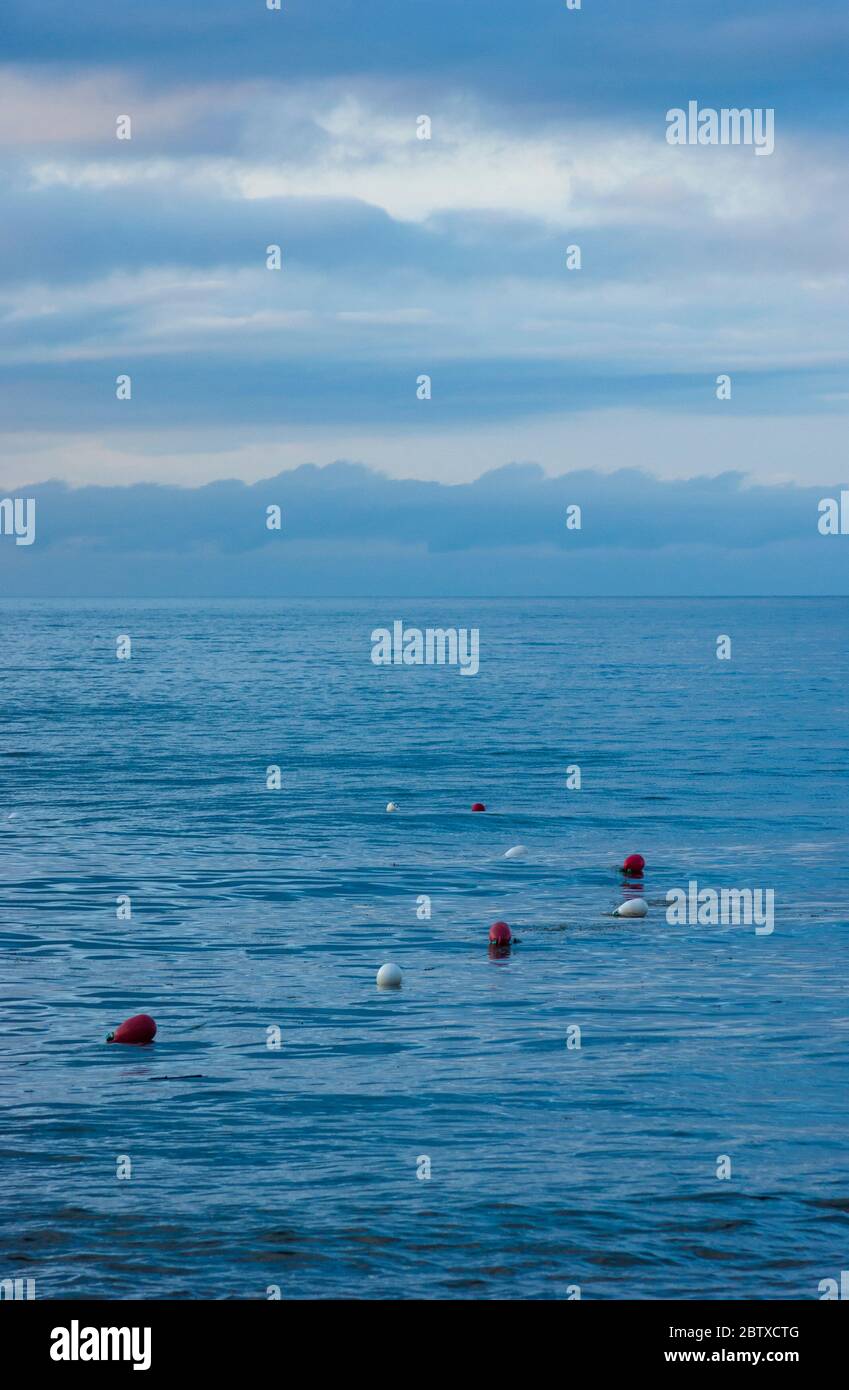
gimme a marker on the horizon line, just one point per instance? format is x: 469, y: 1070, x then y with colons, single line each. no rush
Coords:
x: 274, y: 598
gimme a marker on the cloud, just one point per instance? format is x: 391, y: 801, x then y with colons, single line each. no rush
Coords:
x: 80, y: 109
x: 708, y: 257
x: 323, y: 141
x: 536, y: 55
x: 339, y: 521
x: 403, y: 257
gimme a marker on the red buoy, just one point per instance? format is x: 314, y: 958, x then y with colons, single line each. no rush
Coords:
x: 634, y: 865
x: 478, y: 806
x: 138, y: 1029
x: 499, y: 934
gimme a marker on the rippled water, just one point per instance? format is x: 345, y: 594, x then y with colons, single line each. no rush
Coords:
x: 551, y: 1167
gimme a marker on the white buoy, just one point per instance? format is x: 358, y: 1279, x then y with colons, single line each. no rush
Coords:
x: 389, y: 977
x: 391, y: 806
x: 517, y: 852
x: 632, y: 907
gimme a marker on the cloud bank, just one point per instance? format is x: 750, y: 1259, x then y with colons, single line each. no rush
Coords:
x: 347, y: 530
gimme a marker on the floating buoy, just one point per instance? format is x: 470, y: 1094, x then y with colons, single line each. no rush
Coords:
x: 391, y: 806
x: 632, y: 907
x: 389, y: 977
x: 478, y: 806
x: 634, y: 865
x: 500, y: 934
x: 517, y: 852
x: 138, y: 1029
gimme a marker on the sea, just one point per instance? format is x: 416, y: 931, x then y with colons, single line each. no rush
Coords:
x: 612, y: 1109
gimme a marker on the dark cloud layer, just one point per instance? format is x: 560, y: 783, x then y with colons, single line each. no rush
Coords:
x: 346, y: 529
x: 517, y: 52
x: 218, y: 390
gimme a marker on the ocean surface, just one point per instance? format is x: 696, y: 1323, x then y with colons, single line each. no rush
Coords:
x: 296, y: 1167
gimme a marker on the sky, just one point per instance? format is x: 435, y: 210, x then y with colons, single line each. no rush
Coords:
x: 402, y: 258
